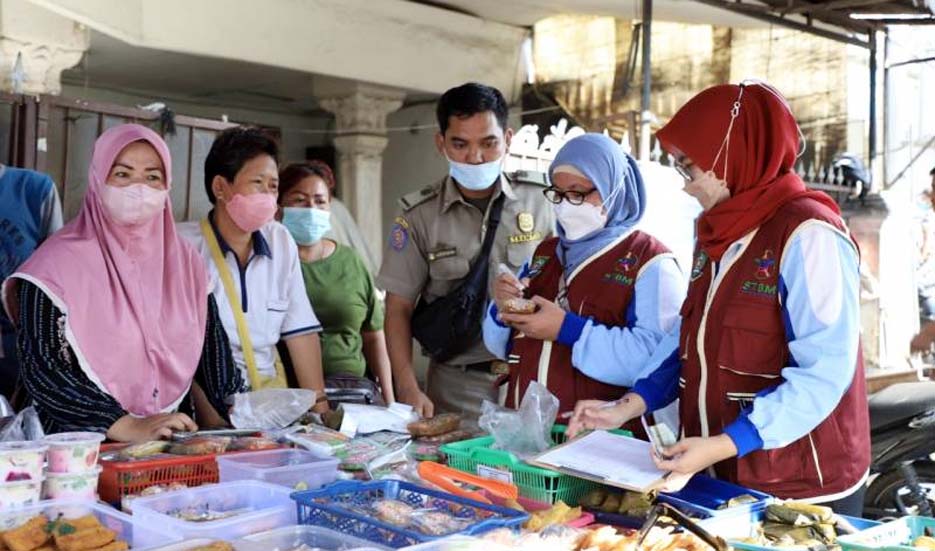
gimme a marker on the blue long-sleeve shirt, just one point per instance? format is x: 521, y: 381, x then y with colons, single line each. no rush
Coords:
x: 819, y: 290
x: 614, y: 355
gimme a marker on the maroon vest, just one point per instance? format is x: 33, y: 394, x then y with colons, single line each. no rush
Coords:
x: 601, y: 291
x: 745, y: 349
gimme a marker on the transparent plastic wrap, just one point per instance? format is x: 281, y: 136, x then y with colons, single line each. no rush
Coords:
x: 271, y: 408
x: 525, y: 431
x: 24, y: 425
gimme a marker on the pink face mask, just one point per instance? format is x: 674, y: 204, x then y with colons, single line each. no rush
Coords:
x: 134, y: 204
x: 251, y: 212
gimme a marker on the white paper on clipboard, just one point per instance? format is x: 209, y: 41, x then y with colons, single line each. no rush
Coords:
x: 611, y: 458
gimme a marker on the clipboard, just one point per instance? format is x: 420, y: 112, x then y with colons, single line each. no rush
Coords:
x: 606, y: 458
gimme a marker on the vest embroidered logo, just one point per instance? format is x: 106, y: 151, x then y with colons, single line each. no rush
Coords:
x: 626, y: 263
x: 538, y: 263
x: 764, y: 264
x: 698, y: 267
x: 758, y: 289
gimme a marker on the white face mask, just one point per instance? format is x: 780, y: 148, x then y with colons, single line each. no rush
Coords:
x: 475, y: 177
x: 580, y: 221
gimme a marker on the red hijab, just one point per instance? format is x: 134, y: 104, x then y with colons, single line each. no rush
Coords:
x: 757, y: 162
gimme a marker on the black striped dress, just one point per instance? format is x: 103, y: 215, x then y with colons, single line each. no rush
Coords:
x: 65, y: 397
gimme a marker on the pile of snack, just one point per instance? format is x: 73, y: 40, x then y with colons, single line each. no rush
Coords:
x: 796, y: 525
x: 195, y: 445
x: 81, y: 534
x: 430, y: 434
x: 557, y: 514
x: 621, y: 502
x: 427, y: 521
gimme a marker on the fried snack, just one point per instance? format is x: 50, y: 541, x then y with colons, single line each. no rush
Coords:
x: 742, y: 499
x: 440, y: 424
x: 612, y: 503
x: 85, y: 540
x: 393, y: 512
x: 520, y: 306
x: 252, y: 443
x: 560, y: 513
x: 145, y: 449
x: 595, y: 498
x: 113, y: 546
x: 448, y: 437
x: 201, y: 445
x: 214, y: 546
x: 61, y: 526
x: 635, y: 504
x: 28, y: 536
x: 924, y: 542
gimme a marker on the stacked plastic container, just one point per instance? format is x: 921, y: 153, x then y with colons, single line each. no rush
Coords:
x: 253, y: 507
x: 21, y: 474
x: 72, y: 470
x: 295, y: 469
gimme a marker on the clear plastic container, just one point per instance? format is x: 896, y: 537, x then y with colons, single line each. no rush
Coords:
x: 316, y: 537
x: 296, y: 469
x: 21, y: 461
x: 456, y: 543
x: 138, y: 537
x: 253, y: 507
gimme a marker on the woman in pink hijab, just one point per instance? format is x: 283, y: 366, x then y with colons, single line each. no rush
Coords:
x: 114, y: 316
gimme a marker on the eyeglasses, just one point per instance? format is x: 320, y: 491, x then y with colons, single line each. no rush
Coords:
x: 556, y: 196
x: 683, y: 172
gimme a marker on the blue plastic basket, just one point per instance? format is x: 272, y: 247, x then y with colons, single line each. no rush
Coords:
x: 703, y: 495
x: 344, y: 506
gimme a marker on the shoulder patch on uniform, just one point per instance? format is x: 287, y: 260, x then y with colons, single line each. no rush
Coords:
x: 528, y: 177
x: 416, y: 198
x: 399, y: 234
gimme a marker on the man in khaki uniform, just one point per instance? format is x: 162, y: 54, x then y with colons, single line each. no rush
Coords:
x: 435, y: 238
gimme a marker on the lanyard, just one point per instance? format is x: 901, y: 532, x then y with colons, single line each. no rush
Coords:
x: 257, y: 381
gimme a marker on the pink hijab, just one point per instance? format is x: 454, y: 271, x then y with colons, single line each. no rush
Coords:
x: 134, y: 298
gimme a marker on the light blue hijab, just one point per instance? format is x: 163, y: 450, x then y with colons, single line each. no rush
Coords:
x: 603, y: 162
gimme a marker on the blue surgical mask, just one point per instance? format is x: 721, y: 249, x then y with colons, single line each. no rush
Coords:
x: 475, y: 177
x: 306, y: 225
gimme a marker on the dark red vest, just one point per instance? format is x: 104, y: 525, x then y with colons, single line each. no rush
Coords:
x: 601, y: 291
x: 745, y: 350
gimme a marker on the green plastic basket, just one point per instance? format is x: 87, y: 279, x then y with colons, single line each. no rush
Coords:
x: 536, y: 483
x: 896, y: 535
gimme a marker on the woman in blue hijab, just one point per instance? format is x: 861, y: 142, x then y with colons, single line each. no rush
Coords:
x: 602, y: 294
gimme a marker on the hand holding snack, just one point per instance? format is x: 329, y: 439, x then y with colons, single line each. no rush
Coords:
x: 508, y: 291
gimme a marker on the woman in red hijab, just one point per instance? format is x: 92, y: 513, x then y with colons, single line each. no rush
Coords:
x: 767, y: 362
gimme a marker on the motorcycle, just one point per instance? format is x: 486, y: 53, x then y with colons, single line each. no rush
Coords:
x: 902, y: 435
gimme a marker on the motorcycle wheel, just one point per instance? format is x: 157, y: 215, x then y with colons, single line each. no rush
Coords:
x: 880, y: 501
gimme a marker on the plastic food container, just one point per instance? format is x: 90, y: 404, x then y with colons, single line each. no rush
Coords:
x: 296, y: 469
x: 744, y: 525
x: 72, y: 486
x: 896, y: 535
x: 21, y: 461
x: 316, y: 537
x: 703, y: 496
x: 457, y: 543
x: 252, y: 507
x: 138, y: 537
x: 73, y: 452
x: 15, y: 495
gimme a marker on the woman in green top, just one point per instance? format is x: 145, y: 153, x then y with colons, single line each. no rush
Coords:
x: 338, y: 284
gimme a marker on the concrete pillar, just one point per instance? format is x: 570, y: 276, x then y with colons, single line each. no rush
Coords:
x: 36, y: 46
x: 360, y: 112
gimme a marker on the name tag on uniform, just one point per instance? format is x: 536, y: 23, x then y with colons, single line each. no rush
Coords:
x: 442, y: 253
x: 526, y: 237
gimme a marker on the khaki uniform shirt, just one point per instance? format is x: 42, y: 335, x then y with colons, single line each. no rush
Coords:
x: 437, y: 235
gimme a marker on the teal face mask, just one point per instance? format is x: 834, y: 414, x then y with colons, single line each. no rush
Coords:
x: 306, y: 225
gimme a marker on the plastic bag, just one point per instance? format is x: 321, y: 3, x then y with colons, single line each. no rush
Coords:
x: 23, y: 426
x: 364, y: 419
x: 525, y: 431
x: 270, y: 408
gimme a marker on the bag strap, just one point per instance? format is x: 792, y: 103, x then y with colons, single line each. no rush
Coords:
x: 493, y: 221
x: 228, y: 280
